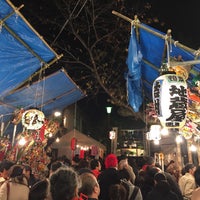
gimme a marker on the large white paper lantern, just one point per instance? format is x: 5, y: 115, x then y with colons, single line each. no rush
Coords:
x: 170, y: 100
x: 33, y: 119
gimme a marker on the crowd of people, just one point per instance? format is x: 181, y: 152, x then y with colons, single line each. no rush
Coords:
x: 113, y: 178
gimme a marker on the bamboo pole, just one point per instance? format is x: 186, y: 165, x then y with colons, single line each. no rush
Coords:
x: 189, y: 151
x: 178, y: 156
x: 29, y: 25
x: 137, y: 24
x: 47, y: 65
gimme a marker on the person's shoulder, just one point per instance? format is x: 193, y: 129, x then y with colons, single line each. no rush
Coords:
x: 172, y: 196
x: 196, y: 194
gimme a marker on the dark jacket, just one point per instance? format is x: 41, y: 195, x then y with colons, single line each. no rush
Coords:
x: 174, y: 185
x: 162, y: 191
x: 107, y: 178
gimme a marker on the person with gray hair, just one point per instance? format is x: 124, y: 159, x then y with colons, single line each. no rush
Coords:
x: 89, y: 186
x: 64, y: 184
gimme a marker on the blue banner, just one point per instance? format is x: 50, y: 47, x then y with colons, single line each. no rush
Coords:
x: 133, y: 77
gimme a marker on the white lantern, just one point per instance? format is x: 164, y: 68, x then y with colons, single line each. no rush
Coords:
x: 112, y: 135
x: 155, y: 132
x: 170, y: 100
x: 33, y: 119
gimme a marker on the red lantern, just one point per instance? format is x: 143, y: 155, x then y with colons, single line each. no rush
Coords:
x: 73, y: 143
x: 170, y: 100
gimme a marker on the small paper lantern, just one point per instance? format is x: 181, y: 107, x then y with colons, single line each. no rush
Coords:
x: 170, y: 100
x: 112, y: 135
x: 73, y: 143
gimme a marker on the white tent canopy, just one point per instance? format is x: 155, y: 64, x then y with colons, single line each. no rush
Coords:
x: 83, y: 141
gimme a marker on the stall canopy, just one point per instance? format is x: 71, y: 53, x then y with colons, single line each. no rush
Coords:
x: 24, y: 53
x: 83, y: 141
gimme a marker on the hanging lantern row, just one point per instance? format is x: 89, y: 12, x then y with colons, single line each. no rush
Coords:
x: 170, y: 100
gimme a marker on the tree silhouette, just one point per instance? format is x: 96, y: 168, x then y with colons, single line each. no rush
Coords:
x: 93, y: 41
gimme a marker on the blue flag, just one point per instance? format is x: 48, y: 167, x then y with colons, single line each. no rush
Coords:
x: 133, y: 77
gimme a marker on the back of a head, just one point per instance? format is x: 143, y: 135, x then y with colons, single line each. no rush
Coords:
x: 93, y: 164
x: 1, y: 166
x: 197, y: 176
x: 76, y: 159
x: 39, y: 190
x: 189, y: 166
x: 160, y: 177
x: 162, y: 183
x: 6, y: 164
x: 64, y: 183
x: 117, y: 192
x: 83, y: 164
x: 27, y: 168
x: 15, y: 171
x: 150, y: 160
x: 88, y: 182
x: 111, y: 161
x: 122, y: 164
x: 124, y: 174
x: 55, y: 165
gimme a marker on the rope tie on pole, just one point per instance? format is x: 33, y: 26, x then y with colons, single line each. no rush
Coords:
x: 168, y: 44
x: 197, y: 53
x: 175, y: 43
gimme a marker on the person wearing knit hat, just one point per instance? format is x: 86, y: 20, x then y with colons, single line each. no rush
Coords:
x: 111, y: 161
x: 109, y: 176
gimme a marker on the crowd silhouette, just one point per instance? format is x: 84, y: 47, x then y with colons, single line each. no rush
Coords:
x: 111, y: 178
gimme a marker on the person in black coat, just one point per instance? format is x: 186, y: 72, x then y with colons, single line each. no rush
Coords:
x: 108, y: 177
x: 161, y: 190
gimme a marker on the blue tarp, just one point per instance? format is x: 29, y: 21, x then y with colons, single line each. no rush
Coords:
x: 133, y: 77
x: 54, y: 92
x: 23, y: 52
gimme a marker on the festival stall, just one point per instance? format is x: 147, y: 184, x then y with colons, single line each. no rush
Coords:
x: 28, y: 93
x: 163, y: 74
x: 75, y: 142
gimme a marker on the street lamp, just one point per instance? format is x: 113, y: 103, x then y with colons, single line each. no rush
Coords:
x: 108, y: 109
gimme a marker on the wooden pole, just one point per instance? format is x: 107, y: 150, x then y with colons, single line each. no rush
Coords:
x: 136, y: 23
x: 14, y: 133
x: 178, y: 156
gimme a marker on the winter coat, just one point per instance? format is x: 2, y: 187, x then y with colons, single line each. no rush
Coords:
x: 162, y: 191
x: 107, y: 178
x: 187, y: 185
x: 13, y: 190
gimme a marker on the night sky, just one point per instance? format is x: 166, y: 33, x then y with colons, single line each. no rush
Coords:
x: 180, y: 16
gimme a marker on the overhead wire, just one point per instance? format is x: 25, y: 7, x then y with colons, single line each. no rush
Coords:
x: 66, y: 22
